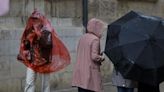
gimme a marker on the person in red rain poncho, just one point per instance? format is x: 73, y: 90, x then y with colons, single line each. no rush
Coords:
x: 41, y: 51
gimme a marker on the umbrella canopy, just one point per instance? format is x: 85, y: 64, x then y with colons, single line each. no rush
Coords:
x: 135, y: 45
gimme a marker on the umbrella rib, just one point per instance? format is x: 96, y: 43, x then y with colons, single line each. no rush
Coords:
x: 141, y: 51
x: 152, y: 51
x: 133, y: 42
x: 159, y: 47
x: 138, y: 33
x: 125, y: 44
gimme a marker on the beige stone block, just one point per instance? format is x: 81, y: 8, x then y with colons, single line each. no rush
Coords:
x: 18, y: 69
x: 72, y: 31
x: 93, y: 7
x: 61, y: 80
x: 4, y: 67
x: 14, y: 85
x: 11, y: 22
x: 10, y: 85
x: 61, y: 22
x: 4, y: 48
x: 15, y: 8
x: 13, y: 47
x: 18, y: 33
x: 70, y: 43
x: 5, y: 34
x: 66, y: 8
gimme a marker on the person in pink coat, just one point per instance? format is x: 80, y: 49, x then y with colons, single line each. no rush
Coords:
x: 86, y: 74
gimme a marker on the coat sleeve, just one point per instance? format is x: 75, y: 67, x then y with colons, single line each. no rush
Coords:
x: 95, y: 51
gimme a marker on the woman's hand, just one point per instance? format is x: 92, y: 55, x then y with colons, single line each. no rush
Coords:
x: 102, y: 56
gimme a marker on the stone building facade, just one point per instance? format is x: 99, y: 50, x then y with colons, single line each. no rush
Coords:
x: 66, y: 16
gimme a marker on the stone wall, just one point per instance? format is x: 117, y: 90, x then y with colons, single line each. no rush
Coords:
x: 66, y: 17
x: 110, y: 10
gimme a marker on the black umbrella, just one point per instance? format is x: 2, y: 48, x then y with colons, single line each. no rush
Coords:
x: 135, y: 45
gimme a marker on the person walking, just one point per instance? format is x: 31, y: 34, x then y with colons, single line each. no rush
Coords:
x: 86, y: 74
x: 122, y: 84
x: 41, y: 51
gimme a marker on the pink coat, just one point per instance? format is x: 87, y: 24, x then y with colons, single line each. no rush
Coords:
x: 87, y: 68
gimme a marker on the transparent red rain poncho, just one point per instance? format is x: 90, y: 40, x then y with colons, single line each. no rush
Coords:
x: 58, y: 55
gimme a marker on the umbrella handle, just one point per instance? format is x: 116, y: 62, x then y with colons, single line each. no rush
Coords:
x: 101, y: 53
